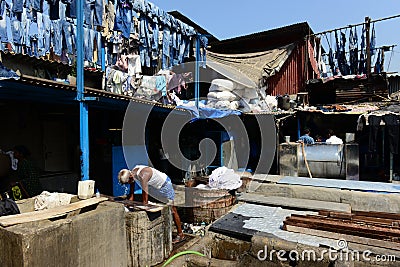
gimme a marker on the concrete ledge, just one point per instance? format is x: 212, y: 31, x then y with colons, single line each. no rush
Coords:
x: 96, y: 237
x: 359, y: 201
x: 304, y: 204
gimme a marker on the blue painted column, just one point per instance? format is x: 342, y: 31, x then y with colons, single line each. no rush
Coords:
x: 298, y: 128
x: 197, y: 72
x: 103, y: 54
x: 83, y: 106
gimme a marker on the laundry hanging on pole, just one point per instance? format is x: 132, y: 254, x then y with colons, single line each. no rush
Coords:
x: 373, y: 41
x: 361, y: 63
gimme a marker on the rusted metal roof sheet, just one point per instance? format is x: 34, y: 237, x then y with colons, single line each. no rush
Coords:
x: 291, y: 79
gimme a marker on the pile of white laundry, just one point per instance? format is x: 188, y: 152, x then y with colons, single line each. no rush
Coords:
x: 224, y: 178
x: 47, y: 200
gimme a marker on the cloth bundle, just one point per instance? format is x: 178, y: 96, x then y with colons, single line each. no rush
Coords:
x: 224, y: 178
x: 47, y: 200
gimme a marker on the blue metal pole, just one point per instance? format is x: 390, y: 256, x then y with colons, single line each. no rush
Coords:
x: 197, y: 72
x: 103, y: 55
x: 298, y: 128
x: 83, y: 106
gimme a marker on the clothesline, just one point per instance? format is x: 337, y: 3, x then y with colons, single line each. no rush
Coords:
x: 376, y: 48
x: 354, y: 25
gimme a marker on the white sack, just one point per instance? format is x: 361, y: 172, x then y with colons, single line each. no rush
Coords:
x: 226, y: 96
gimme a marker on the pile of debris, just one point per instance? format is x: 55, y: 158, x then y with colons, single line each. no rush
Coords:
x: 366, y: 228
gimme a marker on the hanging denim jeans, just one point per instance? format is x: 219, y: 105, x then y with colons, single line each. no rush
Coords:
x: 98, y: 13
x: 166, y: 48
x: 144, y: 42
x: 34, y: 37
x: 188, y: 45
x: 172, y: 47
x: 17, y: 28
x: 17, y: 6
x: 3, y: 23
x: 68, y: 35
x: 154, y: 45
x: 28, y: 4
x: 33, y: 5
x: 88, y: 12
x: 54, y: 9
x: 123, y: 19
x: 182, y: 48
x: 71, y: 9
x: 56, y: 36
x: 40, y: 40
x: 98, y: 48
x: 203, y: 45
x: 46, y: 34
x: 88, y: 35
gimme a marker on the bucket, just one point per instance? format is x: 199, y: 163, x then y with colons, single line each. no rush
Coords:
x: 286, y: 102
x: 209, y: 205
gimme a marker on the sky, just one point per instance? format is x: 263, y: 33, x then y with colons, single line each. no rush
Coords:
x: 231, y: 18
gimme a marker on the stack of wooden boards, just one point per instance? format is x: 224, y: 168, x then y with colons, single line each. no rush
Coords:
x: 375, y: 229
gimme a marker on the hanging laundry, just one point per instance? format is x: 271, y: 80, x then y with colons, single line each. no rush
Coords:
x: 331, y: 61
x: 311, y: 57
x: 373, y: 40
x: 321, y: 63
x: 203, y: 53
x: 379, y: 62
x: 344, y: 67
x: 361, y: 63
x: 353, y: 50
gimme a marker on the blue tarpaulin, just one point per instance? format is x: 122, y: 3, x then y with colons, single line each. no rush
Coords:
x: 209, y: 113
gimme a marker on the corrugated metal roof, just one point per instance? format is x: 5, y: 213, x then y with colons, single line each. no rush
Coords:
x: 34, y: 81
x: 264, y: 40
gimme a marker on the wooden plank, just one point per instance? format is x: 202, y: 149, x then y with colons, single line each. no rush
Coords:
x: 348, y: 238
x: 346, y: 223
x: 6, y: 221
x: 340, y: 230
x: 385, y: 215
x: 362, y: 218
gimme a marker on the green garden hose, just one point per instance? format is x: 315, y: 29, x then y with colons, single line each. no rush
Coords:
x: 180, y: 254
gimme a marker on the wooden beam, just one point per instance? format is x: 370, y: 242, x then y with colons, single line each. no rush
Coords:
x: 6, y: 221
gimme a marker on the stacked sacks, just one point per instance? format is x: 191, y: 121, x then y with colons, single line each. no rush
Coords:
x: 225, y: 94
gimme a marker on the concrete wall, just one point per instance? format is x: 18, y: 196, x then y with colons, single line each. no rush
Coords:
x: 149, y: 237
x: 92, y: 238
